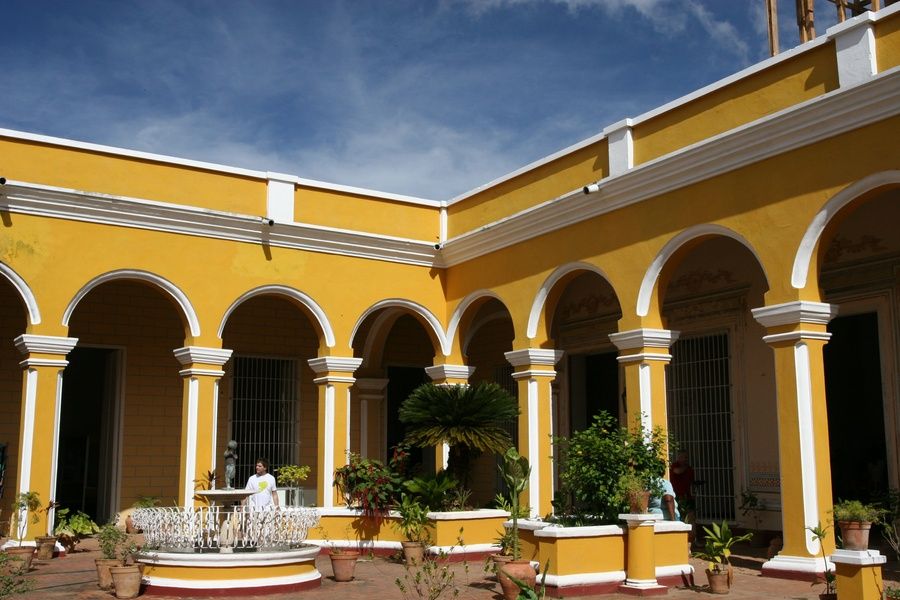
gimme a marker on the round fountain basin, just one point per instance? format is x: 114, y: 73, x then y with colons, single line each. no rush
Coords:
x: 239, y: 573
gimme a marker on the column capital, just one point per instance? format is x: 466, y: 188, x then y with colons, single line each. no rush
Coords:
x: 794, y: 313
x: 324, y: 366
x: 534, y: 356
x: 192, y: 355
x: 445, y: 372
x: 644, y: 338
x: 29, y: 344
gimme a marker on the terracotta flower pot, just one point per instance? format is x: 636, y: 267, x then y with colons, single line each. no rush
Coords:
x: 127, y: 581
x: 638, y: 502
x: 23, y: 554
x: 342, y: 565
x: 46, y: 545
x: 855, y: 534
x: 104, y: 577
x: 521, y: 570
x: 718, y: 582
x: 498, y: 561
x: 414, y: 553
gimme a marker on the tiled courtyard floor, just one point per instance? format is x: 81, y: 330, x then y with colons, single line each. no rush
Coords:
x: 74, y: 577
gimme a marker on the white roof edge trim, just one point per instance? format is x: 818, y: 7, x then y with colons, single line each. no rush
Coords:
x: 708, y: 89
x: 530, y: 166
x: 208, y: 166
x: 161, y: 158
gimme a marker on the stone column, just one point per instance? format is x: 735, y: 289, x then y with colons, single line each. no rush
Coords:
x: 334, y: 378
x: 447, y: 375
x: 644, y: 353
x: 640, y: 561
x: 202, y: 369
x: 797, y: 332
x: 45, y: 360
x: 534, y: 372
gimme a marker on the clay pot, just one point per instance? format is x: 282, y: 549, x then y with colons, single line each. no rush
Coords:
x: 638, y: 502
x: 342, y: 565
x: 521, y: 570
x: 104, y: 577
x: 718, y: 582
x: 855, y: 534
x: 127, y: 581
x: 46, y: 546
x: 499, y: 560
x: 23, y: 554
x: 414, y: 553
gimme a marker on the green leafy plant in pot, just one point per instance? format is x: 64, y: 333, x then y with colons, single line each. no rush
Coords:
x: 515, y: 471
x: 110, y: 539
x: 717, y: 552
x: 126, y: 577
x: 25, y: 506
x: 855, y: 519
x: 412, y: 525
x: 72, y: 528
x: 46, y: 544
x: 289, y: 478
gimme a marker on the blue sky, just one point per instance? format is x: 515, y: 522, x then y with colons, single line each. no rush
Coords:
x: 417, y: 97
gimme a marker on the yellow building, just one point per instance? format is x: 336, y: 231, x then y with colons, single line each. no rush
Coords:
x: 714, y: 265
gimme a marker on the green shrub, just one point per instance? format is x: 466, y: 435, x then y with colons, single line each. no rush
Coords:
x: 596, y: 463
x: 854, y: 510
x: 368, y: 484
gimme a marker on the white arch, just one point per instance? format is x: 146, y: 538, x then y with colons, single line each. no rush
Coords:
x: 34, y: 313
x: 656, y: 267
x: 290, y: 292
x: 412, y: 306
x: 540, y: 299
x: 180, y: 298
x: 802, y: 259
x: 462, y: 307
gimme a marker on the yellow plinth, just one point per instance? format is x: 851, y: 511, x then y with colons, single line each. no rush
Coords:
x: 858, y: 574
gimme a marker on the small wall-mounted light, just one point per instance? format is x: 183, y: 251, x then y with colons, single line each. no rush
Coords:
x: 267, y: 221
x: 591, y: 188
x: 2, y: 180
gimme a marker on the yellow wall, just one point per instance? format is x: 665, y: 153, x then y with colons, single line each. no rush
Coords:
x: 94, y: 171
x: 533, y: 187
x: 366, y: 213
x: 887, y: 42
x: 795, y: 80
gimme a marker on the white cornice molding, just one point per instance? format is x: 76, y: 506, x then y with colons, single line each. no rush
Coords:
x: 533, y: 356
x: 371, y: 386
x: 334, y: 364
x: 28, y: 343
x: 47, y: 201
x: 793, y: 313
x: 800, y: 125
x: 644, y: 338
x: 189, y: 355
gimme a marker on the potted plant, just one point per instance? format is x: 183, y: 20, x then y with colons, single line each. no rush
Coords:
x: 636, y: 493
x: 717, y: 551
x: 25, y: 508
x: 855, y: 519
x: 343, y: 560
x: 413, y: 525
x: 46, y: 544
x: 288, y: 478
x: 819, y: 533
x: 126, y: 577
x: 110, y: 539
x: 71, y: 529
x: 751, y: 507
x: 368, y: 484
x: 515, y: 470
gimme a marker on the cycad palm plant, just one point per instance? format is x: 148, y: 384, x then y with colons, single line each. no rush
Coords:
x: 469, y: 419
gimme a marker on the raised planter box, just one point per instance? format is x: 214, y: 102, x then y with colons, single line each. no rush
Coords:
x: 592, y: 560
x: 349, y: 528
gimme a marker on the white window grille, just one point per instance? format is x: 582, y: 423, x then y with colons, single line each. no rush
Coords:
x: 698, y: 386
x: 264, y: 413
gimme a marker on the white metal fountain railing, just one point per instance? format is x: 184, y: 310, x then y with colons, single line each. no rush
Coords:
x: 198, y: 528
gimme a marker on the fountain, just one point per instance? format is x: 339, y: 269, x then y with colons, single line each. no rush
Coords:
x: 226, y: 545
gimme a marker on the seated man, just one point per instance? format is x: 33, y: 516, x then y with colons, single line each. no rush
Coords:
x: 665, y: 504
